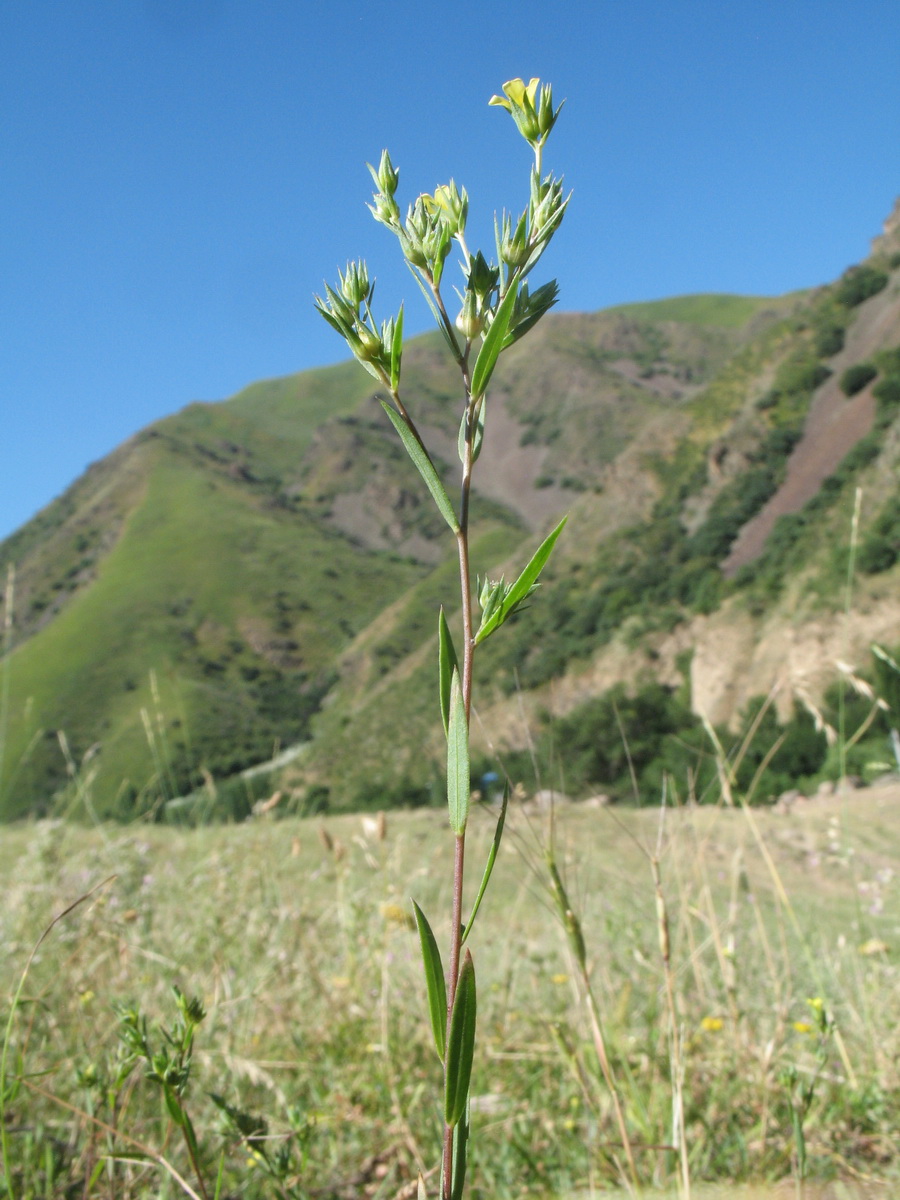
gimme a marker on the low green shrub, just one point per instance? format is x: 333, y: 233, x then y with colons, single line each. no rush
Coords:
x: 880, y: 547
x: 859, y: 283
x: 855, y: 378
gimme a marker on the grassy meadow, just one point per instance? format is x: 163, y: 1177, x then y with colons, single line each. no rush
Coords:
x: 765, y: 1042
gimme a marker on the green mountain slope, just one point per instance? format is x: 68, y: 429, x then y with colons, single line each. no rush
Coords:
x: 245, y: 576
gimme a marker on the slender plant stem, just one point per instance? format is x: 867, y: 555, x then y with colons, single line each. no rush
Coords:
x: 465, y: 582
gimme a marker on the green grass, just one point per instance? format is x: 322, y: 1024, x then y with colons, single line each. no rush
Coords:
x: 308, y: 968
x: 719, y: 309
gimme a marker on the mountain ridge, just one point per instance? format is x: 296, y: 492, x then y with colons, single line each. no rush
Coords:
x: 264, y: 570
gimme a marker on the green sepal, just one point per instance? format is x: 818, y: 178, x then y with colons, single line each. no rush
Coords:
x: 397, y: 351
x: 460, y: 1045
x: 441, y: 251
x: 447, y: 664
x: 458, y: 786
x: 522, y: 588
x: 434, y: 981
x: 424, y: 466
x: 479, y: 433
x: 488, y: 866
x: 493, y: 344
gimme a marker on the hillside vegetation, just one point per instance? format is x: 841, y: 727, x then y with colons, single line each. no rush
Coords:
x: 262, y: 573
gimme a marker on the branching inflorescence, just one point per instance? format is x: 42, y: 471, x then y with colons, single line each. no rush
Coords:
x: 497, y: 308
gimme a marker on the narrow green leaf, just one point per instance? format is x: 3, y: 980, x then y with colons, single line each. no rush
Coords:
x: 460, y: 1045
x: 493, y: 343
x: 457, y: 759
x: 447, y: 664
x: 424, y: 466
x: 397, y: 351
x: 489, y: 865
x: 460, y: 1155
x: 98, y: 1170
x: 434, y: 981
x: 479, y: 433
x: 421, y: 1191
x: 220, y: 1176
x: 522, y: 586
x: 176, y: 1112
x: 190, y: 1136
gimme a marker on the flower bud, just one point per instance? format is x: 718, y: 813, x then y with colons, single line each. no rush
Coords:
x: 483, y: 278
x: 387, y: 177
x: 514, y: 247
x: 355, y: 286
x: 369, y: 347
x: 470, y: 321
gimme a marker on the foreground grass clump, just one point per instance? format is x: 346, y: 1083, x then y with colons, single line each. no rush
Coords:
x: 304, y: 956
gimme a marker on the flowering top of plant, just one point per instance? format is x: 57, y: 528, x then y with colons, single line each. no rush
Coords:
x: 534, y: 120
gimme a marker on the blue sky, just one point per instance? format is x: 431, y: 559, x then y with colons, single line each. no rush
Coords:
x: 177, y: 177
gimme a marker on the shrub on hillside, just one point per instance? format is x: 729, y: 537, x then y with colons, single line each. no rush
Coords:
x: 859, y: 283
x: 887, y: 396
x: 795, y: 381
x: 855, y: 378
x: 778, y: 756
x: 880, y: 548
x: 829, y: 340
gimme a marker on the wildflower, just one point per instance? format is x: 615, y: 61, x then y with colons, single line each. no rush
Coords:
x: 559, y: 979
x: 874, y: 945
x: 802, y: 1027
x: 395, y: 914
x: 533, y: 116
x: 712, y: 1024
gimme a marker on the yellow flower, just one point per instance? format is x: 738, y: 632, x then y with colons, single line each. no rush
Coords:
x: 802, y: 1027
x: 395, y: 914
x: 533, y: 114
x: 516, y: 91
x: 559, y: 979
x: 873, y: 946
x: 712, y: 1024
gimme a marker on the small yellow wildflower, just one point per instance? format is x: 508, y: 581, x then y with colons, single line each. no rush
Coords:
x: 873, y: 946
x: 560, y: 979
x: 802, y: 1027
x: 712, y: 1024
x: 396, y: 914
